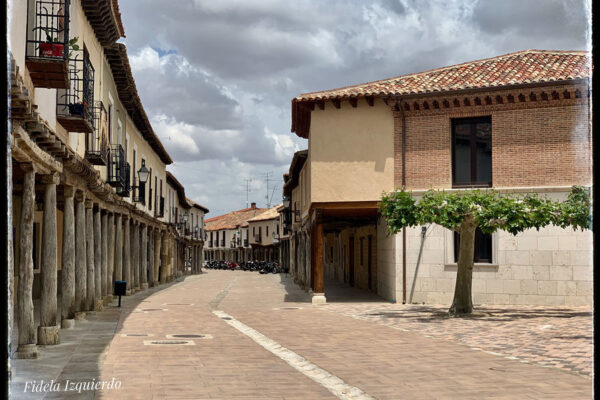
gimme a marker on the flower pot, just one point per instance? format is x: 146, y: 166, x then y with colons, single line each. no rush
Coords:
x: 51, y: 49
x: 76, y: 109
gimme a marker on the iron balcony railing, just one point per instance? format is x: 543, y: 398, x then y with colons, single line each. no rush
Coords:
x: 125, y: 190
x: 222, y: 242
x: 96, y: 143
x: 245, y: 242
x: 74, y: 104
x: 258, y: 238
x: 210, y: 243
x: 116, y: 167
x: 139, y: 192
x: 47, y: 43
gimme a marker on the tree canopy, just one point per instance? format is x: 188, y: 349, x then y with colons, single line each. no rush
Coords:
x: 490, y: 209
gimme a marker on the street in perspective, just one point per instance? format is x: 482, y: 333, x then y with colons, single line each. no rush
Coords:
x: 424, y: 236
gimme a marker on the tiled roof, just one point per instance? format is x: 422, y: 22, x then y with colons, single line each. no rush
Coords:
x: 196, y: 205
x: 271, y: 213
x: 523, y: 67
x: 105, y: 19
x: 233, y: 219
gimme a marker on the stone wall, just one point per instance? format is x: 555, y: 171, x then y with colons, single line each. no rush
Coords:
x: 549, y: 267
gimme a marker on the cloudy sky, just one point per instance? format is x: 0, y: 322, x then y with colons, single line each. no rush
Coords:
x: 217, y: 77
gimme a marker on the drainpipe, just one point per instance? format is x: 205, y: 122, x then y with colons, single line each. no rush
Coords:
x: 403, y: 187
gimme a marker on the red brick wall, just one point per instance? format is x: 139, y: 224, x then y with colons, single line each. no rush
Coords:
x: 544, y: 141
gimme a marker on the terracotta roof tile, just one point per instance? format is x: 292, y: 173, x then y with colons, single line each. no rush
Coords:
x: 271, y: 213
x: 528, y: 66
x: 233, y: 219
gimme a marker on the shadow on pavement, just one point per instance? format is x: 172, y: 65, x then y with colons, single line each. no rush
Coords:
x: 79, y: 356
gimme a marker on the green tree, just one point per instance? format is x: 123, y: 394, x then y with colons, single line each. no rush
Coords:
x: 489, y: 210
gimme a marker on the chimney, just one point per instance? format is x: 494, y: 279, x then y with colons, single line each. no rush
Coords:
x: 253, y: 206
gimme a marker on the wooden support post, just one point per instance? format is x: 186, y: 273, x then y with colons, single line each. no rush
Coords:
x: 25, y: 320
x: 89, y: 251
x: 48, y: 331
x: 68, y: 261
x: 80, y: 257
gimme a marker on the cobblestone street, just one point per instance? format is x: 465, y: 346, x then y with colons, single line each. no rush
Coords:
x: 242, y: 335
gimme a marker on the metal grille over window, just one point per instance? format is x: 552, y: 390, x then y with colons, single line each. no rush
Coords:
x: 47, y: 44
x: 74, y: 105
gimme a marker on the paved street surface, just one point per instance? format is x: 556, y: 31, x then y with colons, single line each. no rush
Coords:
x: 242, y: 335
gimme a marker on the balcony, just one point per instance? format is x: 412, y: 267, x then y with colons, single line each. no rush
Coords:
x: 210, y: 243
x: 47, y: 44
x: 160, y: 210
x: 245, y: 242
x: 139, y: 192
x: 125, y: 190
x: 232, y: 244
x: 74, y: 104
x: 116, y: 176
x: 222, y: 242
x: 258, y: 238
x: 96, y: 143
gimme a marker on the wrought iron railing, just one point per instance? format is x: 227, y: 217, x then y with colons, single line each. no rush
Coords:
x: 258, y: 238
x: 47, y: 42
x: 116, y: 167
x: 96, y: 143
x: 139, y: 192
x: 125, y: 190
x: 245, y: 242
x: 74, y: 105
x: 210, y: 243
x: 222, y: 242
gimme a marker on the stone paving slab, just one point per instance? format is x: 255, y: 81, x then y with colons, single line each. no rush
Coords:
x: 558, y: 337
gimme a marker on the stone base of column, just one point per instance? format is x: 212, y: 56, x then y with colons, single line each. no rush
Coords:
x: 135, y: 290
x: 79, y: 316
x: 48, y: 335
x: 319, y: 298
x: 67, y: 323
x: 107, y: 300
x: 27, y: 351
x: 98, y: 305
x: 128, y: 292
x: 144, y: 286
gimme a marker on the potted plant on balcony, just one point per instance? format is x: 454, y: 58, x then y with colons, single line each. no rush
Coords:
x: 78, y: 109
x: 52, y: 48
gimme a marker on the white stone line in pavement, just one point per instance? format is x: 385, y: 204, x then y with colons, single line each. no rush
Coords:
x: 335, y: 385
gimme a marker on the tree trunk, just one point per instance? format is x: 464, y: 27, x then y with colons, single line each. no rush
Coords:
x: 462, y: 303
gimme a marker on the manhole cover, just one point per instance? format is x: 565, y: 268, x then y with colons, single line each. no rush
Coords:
x: 168, y: 342
x: 136, y: 334
x: 189, y: 336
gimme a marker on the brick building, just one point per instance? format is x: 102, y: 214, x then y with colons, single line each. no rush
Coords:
x: 519, y: 122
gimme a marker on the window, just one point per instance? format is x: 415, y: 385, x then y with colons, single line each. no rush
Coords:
x: 150, y: 191
x: 361, y: 251
x: 267, y: 229
x: 483, y: 247
x: 472, y: 152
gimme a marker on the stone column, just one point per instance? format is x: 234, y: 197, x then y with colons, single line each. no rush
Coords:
x: 110, y: 256
x: 98, y: 303
x: 135, y: 249
x: 49, y: 331
x: 80, y: 257
x: 163, y: 258
x: 118, y: 263
x: 104, y: 252
x: 144, y: 265
x: 127, y: 254
x: 89, y: 250
x: 157, y: 252
x: 68, y: 261
x: 151, y: 258
x: 26, y: 323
